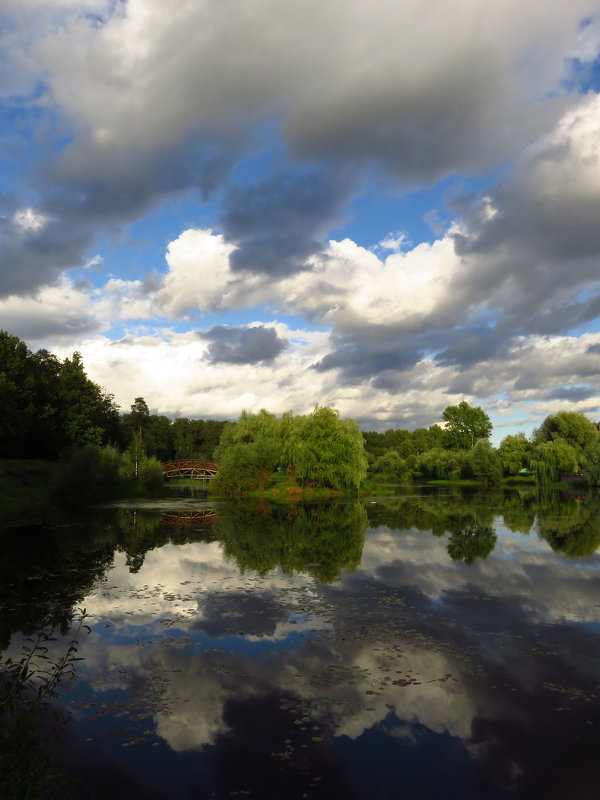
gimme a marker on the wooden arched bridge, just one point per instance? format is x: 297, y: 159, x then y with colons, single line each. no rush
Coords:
x: 190, y: 468
x: 572, y: 477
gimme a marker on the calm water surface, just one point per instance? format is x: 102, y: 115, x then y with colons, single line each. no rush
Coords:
x: 423, y: 646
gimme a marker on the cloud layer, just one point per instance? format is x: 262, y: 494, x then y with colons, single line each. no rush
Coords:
x: 283, y: 119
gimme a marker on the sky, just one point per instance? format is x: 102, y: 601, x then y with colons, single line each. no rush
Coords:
x: 384, y: 207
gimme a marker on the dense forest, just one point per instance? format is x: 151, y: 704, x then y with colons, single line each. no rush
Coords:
x: 48, y: 406
x: 52, y: 410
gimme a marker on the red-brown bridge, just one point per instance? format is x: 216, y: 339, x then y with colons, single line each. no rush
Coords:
x: 198, y: 470
x: 572, y: 477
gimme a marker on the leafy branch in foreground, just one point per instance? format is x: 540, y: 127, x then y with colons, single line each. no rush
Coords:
x: 29, y: 726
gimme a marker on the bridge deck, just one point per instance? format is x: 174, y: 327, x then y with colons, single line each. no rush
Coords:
x: 190, y: 468
x: 572, y: 477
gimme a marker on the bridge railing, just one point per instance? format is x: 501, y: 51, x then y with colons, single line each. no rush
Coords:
x: 572, y: 477
x: 190, y: 468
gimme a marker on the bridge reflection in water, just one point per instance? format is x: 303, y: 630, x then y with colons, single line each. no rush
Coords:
x: 184, y: 519
x: 190, y: 468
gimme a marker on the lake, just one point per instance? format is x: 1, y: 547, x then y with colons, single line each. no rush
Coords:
x: 435, y: 644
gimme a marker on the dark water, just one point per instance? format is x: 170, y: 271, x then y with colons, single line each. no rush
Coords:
x: 424, y: 647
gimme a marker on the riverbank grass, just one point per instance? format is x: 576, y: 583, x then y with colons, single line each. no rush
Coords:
x: 283, y: 487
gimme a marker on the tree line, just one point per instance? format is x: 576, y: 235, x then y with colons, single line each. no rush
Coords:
x: 50, y: 407
x: 565, y: 442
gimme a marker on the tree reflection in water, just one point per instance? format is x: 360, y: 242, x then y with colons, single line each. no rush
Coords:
x: 322, y: 539
x: 318, y: 540
x: 569, y: 525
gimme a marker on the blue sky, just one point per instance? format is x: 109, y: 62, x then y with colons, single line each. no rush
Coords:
x: 386, y: 208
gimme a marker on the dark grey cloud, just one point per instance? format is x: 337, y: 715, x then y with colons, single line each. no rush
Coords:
x: 50, y: 329
x: 560, y: 319
x: 373, y: 353
x: 30, y: 259
x: 539, y: 372
x: 243, y: 345
x: 278, y: 223
x: 385, y: 354
x: 107, y: 185
x: 420, y: 127
x: 406, y: 417
x: 571, y: 394
x: 470, y: 345
x: 88, y: 191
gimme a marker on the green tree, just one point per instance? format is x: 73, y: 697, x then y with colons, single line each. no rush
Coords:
x: 465, y: 424
x: 48, y: 405
x: 248, y: 453
x: 196, y: 438
x: 442, y: 464
x: 151, y: 474
x: 330, y: 450
x: 48, y: 424
x: 391, y: 467
x: 139, y: 413
x: 551, y: 458
x: 158, y: 437
x: 514, y: 453
x: 590, y: 463
x: 77, y: 475
x: 291, y: 440
x: 568, y: 426
x: 435, y: 436
x: 484, y: 463
x: 88, y: 413
x: 17, y: 396
x: 133, y: 456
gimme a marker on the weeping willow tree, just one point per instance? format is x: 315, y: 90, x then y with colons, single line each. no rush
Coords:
x: 329, y: 451
x: 247, y: 453
x: 442, y: 464
x: 567, y: 442
x: 552, y: 458
x: 318, y: 449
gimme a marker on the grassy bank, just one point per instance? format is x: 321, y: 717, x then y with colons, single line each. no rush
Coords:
x: 284, y: 488
x: 26, y: 491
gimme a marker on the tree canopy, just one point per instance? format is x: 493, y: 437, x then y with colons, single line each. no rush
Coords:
x: 329, y: 451
x: 48, y: 405
x: 573, y: 428
x: 318, y: 449
x: 248, y: 453
x: 465, y: 424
